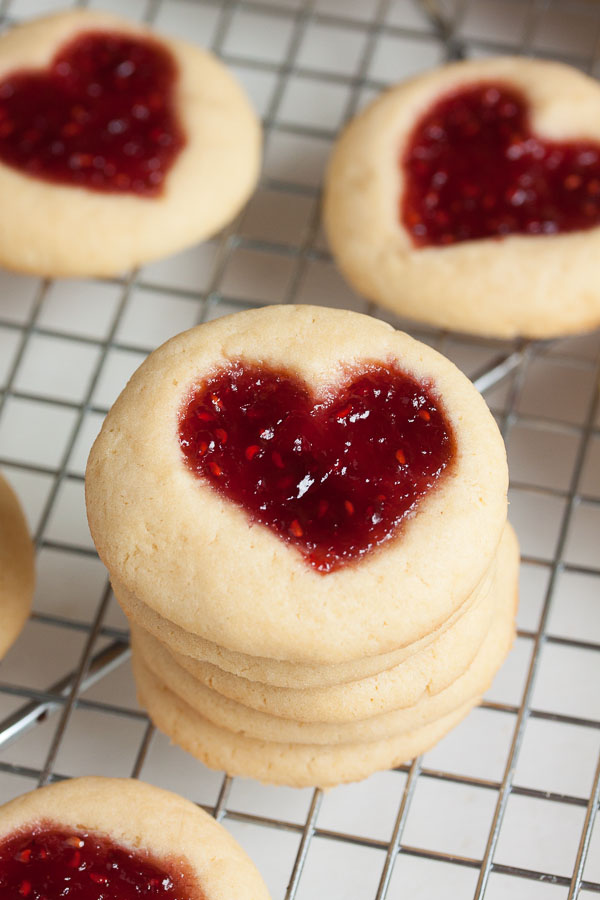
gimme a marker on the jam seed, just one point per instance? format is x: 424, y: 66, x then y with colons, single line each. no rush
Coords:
x: 24, y: 855
x: 593, y: 187
x: 97, y: 878
x: 296, y: 529
x: 323, y: 507
x: 413, y: 218
x: 204, y: 416
x: 25, y: 888
x: 217, y: 402
x: 73, y: 863
x: 572, y: 182
x: 75, y: 841
x: 423, y: 414
x: 215, y: 469
x: 349, y: 507
x: 401, y: 457
x: 343, y: 413
x: 251, y: 451
x: 221, y: 434
x: 70, y: 129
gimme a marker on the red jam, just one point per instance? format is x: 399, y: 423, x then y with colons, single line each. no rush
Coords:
x: 100, y: 117
x: 51, y: 863
x: 474, y: 169
x: 333, y: 475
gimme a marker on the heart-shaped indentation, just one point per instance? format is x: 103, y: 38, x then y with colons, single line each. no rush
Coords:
x: 334, y: 475
x: 473, y: 168
x: 101, y: 116
x: 55, y: 862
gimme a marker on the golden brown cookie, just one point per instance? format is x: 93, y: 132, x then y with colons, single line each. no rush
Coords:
x: 16, y: 567
x: 469, y: 198
x: 215, y: 661
x: 335, y: 721
x: 117, y: 146
x: 427, y: 672
x: 122, y: 839
x: 298, y: 765
x: 203, y: 561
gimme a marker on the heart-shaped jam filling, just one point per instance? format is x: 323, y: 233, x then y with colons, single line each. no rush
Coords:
x: 48, y: 863
x: 334, y: 475
x: 474, y: 169
x: 101, y: 116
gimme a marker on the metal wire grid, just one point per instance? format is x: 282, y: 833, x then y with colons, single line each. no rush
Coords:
x: 106, y: 646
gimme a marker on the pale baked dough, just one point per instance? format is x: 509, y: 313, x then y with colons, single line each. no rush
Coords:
x: 538, y: 286
x: 195, y: 558
x: 297, y: 765
x: 214, y: 661
x: 426, y: 673
x: 145, y: 819
x: 447, y: 692
x: 379, y: 695
x: 55, y: 230
x: 16, y: 568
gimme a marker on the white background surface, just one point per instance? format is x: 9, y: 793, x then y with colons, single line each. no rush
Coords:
x: 66, y: 350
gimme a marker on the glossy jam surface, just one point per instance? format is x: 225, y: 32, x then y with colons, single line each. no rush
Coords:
x: 101, y: 116
x: 51, y: 864
x: 474, y: 169
x: 334, y: 475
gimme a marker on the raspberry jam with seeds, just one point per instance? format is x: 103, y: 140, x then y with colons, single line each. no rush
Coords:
x: 48, y: 863
x: 101, y: 116
x: 334, y: 475
x: 474, y: 169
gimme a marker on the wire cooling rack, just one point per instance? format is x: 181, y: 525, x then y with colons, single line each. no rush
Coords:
x: 506, y: 805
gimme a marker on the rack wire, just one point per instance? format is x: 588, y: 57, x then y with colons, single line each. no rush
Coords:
x: 505, y: 806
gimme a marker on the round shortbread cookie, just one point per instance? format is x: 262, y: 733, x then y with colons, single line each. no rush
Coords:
x: 81, y: 231
x: 431, y: 706
x: 156, y: 826
x: 538, y: 285
x: 425, y: 674
x: 399, y: 686
x: 297, y: 765
x: 201, y: 656
x: 16, y: 567
x: 197, y: 558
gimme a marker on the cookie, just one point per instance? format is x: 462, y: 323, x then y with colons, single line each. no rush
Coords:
x: 297, y: 765
x: 350, y: 725
x: 427, y: 672
x: 118, y: 838
x: 469, y: 198
x: 394, y: 570
x: 207, y: 660
x: 16, y: 567
x: 128, y: 146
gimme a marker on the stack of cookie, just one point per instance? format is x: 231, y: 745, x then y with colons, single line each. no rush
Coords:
x: 303, y: 513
